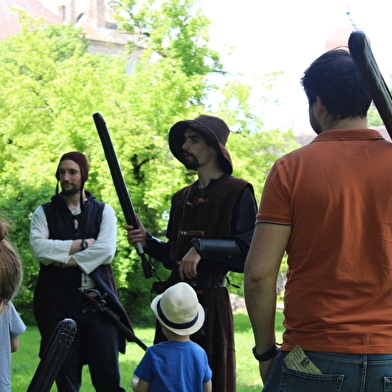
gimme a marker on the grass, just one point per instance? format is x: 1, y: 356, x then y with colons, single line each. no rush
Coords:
x: 25, y: 360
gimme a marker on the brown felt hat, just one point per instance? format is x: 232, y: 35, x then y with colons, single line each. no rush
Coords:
x: 213, y: 129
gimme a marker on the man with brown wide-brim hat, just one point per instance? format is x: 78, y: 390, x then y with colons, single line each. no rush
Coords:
x: 213, y: 129
x: 210, y: 229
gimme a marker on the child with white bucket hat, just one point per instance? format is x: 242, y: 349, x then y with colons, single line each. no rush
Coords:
x: 178, y: 365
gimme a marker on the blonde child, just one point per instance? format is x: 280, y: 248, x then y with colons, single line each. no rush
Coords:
x: 11, y: 325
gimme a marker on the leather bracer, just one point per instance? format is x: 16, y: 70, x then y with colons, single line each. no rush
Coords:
x: 225, y: 251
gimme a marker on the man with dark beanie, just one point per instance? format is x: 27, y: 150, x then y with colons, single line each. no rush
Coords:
x: 74, y: 239
x: 209, y: 231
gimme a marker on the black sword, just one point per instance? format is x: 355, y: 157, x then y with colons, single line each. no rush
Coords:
x: 365, y: 62
x: 53, y: 357
x: 121, y: 188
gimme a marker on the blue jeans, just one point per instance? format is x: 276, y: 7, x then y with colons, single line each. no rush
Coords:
x: 341, y: 373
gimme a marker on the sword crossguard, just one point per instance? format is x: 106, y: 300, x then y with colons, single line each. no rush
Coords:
x: 98, y: 304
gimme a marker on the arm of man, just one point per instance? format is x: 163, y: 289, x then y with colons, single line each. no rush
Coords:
x: 261, y: 272
x: 231, y: 253
x: 104, y: 248
x: 43, y: 249
x: 137, y: 235
x: 154, y: 247
x: 161, y: 250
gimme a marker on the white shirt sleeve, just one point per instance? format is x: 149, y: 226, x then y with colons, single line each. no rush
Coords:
x: 104, y: 248
x: 43, y: 249
x: 48, y: 251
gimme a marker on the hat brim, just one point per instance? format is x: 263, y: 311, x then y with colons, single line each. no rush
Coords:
x: 186, y: 331
x: 176, y: 141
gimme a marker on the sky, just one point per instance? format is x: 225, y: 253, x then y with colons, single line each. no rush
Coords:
x: 286, y: 36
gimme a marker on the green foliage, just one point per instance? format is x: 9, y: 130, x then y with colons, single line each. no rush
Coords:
x: 51, y: 86
x: 373, y: 117
x: 174, y: 30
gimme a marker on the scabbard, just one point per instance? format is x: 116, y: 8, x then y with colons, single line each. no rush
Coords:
x: 366, y: 64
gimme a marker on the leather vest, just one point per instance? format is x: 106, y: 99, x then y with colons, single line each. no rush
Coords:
x: 64, y: 283
x: 206, y: 214
x: 62, y: 226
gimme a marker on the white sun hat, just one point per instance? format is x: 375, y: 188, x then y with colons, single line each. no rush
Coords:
x: 179, y: 310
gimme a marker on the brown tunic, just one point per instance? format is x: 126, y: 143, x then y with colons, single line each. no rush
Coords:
x: 208, y: 215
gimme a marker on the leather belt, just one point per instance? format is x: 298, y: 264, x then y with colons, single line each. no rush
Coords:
x: 192, y: 233
x: 208, y: 281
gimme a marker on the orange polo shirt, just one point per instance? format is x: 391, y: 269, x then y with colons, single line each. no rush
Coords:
x: 336, y: 193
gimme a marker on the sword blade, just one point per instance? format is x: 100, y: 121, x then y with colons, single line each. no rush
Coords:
x: 366, y: 64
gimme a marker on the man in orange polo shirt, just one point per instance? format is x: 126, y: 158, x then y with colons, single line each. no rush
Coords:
x: 328, y: 205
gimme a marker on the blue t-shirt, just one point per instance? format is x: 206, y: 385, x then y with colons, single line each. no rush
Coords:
x: 174, y: 367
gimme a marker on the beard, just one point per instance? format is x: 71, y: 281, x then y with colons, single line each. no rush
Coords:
x: 191, y: 162
x: 70, y: 192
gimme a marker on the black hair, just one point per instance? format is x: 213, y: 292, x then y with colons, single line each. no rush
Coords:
x: 335, y: 79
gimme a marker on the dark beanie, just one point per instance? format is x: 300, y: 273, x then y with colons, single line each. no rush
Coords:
x: 80, y: 159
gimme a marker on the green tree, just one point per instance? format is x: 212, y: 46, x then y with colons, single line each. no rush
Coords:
x: 373, y: 117
x: 51, y: 85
